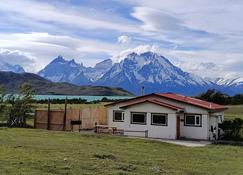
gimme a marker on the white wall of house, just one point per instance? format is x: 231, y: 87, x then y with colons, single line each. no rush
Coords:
x: 195, y: 132
x: 214, y: 120
x: 154, y: 131
x: 192, y: 132
x: 168, y: 132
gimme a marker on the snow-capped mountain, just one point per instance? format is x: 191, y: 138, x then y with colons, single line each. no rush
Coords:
x: 11, y: 68
x: 229, y: 85
x: 136, y: 68
x: 99, y: 70
x: 154, y: 72
x: 229, y: 82
x: 61, y: 70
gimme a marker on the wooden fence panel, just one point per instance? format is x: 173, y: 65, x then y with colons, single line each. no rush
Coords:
x: 73, y: 115
x: 41, y: 119
x: 56, y: 120
x: 103, y: 120
x: 89, y: 117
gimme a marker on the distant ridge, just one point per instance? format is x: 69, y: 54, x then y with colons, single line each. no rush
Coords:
x: 11, y: 68
x: 12, y: 81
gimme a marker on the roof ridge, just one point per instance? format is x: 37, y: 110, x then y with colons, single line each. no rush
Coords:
x: 167, y: 103
x: 192, y: 101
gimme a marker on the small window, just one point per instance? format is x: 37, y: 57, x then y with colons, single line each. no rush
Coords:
x: 138, y: 118
x: 193, y: 120
x: 159, y: 119
x: 118, y: 116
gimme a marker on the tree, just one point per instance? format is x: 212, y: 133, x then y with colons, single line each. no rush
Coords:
x: 2, y: 103
x: 20, y: 106
x: 215, y: 96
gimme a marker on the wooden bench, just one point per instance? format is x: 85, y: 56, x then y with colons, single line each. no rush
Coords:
x: 104, y: 129
x: 109, y: 130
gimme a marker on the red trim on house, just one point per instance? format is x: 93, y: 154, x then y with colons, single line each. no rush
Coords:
x: 154, y: 102
x: 193, y: 101
x: 133, y: 99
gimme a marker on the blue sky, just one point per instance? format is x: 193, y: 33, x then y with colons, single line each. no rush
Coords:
x: 204, y: 37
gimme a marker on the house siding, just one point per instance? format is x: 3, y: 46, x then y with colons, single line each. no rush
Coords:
x: 167, y: 132
x: 154, y: 131
x: 195, y: 132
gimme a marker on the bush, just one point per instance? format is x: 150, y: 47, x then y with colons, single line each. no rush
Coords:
x: 215, y: 96
x: 233, y: 129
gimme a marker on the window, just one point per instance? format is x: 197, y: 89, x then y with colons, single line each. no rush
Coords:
x: 193, y: 120
x: 159, y: 119
x: 138, y: 118
x: 220, y: 119
x: 118, y: 116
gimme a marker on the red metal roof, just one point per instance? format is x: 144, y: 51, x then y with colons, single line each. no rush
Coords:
x: 176, y: 97
x: 193, y: 101
x: 154, y: 102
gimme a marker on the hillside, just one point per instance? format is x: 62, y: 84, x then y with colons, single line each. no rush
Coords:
x: 12, y: 81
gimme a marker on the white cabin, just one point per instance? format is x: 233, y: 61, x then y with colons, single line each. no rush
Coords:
x: 166, y: 116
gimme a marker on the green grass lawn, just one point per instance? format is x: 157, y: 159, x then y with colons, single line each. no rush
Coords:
x: 29, y: 151
x: 234, y: 111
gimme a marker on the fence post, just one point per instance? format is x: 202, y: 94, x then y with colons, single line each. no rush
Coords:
x: 48, y: 115
x: 65, y: 115
x: 35, y: 119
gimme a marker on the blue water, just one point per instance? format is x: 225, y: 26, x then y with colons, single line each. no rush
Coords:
x: 88, y: 98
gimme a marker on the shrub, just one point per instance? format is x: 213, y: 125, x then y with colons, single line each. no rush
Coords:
x: 232, y: 129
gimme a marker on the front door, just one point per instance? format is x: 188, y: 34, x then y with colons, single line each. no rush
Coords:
x: 213, y: 127
x: 178, y: 126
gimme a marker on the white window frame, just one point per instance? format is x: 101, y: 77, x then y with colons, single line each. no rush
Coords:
x: 159, y: 124
x: 114, y: 120
x: 139, y: 123
x: 196, y: 116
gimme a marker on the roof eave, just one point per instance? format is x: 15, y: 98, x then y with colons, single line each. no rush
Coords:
x: 218, y: 110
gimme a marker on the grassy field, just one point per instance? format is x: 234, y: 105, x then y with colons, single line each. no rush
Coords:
x: 234, y: 111
x: 31, y: 152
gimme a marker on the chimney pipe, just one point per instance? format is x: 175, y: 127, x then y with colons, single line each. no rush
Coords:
x: 142, y: 90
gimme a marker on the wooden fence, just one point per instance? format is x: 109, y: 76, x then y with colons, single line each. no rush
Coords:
x: 60, y: 120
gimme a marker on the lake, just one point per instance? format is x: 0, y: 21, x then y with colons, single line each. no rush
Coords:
x: 88, y: 98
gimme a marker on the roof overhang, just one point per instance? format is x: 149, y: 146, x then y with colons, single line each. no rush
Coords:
x: 156, y: 102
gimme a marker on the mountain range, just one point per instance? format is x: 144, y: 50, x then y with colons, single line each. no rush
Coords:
x: 12, y: 68
x: 149, y: 69
x: 132, y: 71
x: 12, y: 82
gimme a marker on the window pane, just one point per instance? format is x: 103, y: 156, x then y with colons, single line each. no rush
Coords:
x: 118, y: 116
x: 159, y: 119
x: 190, y: 120
x: 198, y: 120
x: 139, y: 118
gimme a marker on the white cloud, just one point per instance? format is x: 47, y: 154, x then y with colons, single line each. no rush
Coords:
x: 42, y: 47
x: 156, y: 20
x: 123, y: 39
x: 66, y: 15
x: 14, y: 57
x: 193, y: 31
x: 138, y: 50
x: 207, y: 63
x: 203, y: 69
